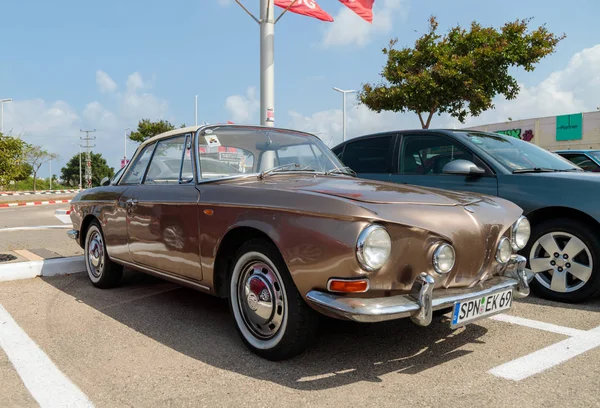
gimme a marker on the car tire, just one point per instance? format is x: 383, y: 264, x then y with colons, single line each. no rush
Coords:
x: 271, y: 316
x: 102, y: 272
x: 567, y: 248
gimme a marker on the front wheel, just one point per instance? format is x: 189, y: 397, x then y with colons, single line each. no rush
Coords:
x: 565, y: 254
x: 103, y: 272
x: 271, y: 316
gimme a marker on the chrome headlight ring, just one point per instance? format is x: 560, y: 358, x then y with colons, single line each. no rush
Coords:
x: 523, y: 227
x: 504, y: 251
x: 367, y: 261
x: 443, y: 266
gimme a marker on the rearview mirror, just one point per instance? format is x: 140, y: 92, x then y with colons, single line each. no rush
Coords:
x: 464, y: 167
x: 105, y: 181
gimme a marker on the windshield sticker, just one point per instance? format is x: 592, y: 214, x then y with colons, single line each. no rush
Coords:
x: 476, y: 140
x: 208, y: 131
x: 212, y: 141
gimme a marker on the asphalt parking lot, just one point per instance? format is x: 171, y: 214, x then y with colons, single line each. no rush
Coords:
x: 153, y: 343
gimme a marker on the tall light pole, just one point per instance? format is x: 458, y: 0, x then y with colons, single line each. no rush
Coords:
x: 344, y: 92
x: 2, y: 113
x: 126, y: 129
x: 196, y: 111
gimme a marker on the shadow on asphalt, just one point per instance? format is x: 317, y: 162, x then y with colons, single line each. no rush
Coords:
x: 201, y: 327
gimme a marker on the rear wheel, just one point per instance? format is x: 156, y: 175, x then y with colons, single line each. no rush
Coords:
x: 103, y: 272
x: 565, y: 254
x: 271, y: 316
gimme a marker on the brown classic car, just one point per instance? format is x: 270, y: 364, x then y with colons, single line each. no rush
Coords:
x: 270, y: 219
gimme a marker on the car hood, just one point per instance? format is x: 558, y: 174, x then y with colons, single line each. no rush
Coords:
x: 367, y: 191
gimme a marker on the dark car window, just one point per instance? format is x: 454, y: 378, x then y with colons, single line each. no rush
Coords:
x: 427, y: 155
x: 136, y: 171
x: 582, y: 161
x: 166, y: 163
x: 368, y: 155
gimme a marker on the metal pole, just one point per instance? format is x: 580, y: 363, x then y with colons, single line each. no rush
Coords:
x: 267, y: 67
x: 125, y: 156
x: 80, y: 167
x: 344, y: 119
x: 50, y: 163
x: 2, y: 113
x: 196, y: 110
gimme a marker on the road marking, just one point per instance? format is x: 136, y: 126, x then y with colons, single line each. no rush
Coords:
x: 46, y: 383
x: 535, y: 324
x: 579, y: 342
x: 28, y: 255
x: 35, y: 228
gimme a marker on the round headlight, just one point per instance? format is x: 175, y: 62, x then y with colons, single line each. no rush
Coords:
x: 373, y: 247
x: 504, y: 251
x: 520, y: 234
x: 444, y: 258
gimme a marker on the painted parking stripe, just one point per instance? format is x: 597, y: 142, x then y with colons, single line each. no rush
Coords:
x: 548, y: 357
x: 46, y: 383
x: 535, y: 324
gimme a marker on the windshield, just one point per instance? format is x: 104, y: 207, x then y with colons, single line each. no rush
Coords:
x: 232, y: 151
x: 516, y: 154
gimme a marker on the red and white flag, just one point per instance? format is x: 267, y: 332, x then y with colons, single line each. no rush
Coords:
x: 305, y: 7
x: 364, y: 8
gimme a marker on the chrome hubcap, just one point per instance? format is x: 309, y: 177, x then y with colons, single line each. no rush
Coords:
x: 261, y: 300
x: 95, y: 254
x: 562, y: 262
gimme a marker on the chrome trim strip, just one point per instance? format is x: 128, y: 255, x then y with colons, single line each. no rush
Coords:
x: 163, y: 275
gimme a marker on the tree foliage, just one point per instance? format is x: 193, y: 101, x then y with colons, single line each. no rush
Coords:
x: 147, y: 129
x: 100, y: 169
x: 458, y: 73
x: 11, y: 159
x: 36, y: 156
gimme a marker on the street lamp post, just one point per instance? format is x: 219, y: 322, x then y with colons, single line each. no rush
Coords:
x: 344, y: 92
x: 2, y: 113
x: 125, y: 156
x: 196, y: 110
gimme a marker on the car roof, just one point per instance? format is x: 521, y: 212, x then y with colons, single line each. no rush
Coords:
x: 576, y: 151
x: 193, y: 129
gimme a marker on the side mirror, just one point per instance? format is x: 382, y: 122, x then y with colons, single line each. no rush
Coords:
x: 464, y: 167
x: 105, y: 181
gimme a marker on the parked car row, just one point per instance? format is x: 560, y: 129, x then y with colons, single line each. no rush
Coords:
x: 272, y: 220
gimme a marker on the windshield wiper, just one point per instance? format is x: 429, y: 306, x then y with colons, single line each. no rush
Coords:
x: 535, y: 170
x: 342, y: 170
x: 284, y: 167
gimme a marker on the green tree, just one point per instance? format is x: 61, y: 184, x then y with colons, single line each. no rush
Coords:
x: 100, y: 169
x: 147, y: 129
x: 458, y: 73
x: 11, y: 158
x: 36, y: 156
x: 25, y: 170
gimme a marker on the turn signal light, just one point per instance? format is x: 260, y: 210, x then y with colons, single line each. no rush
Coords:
x: 348, y: 286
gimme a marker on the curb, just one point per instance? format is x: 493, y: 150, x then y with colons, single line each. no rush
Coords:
x: 46, y: 267
x: 6, y: 205
x: 7, y: 193
x: 62, y: 212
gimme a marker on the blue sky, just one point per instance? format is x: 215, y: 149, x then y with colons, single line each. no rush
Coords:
x: 105, y: 65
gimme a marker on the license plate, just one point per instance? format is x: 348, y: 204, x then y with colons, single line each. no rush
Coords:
x: 467, y: 311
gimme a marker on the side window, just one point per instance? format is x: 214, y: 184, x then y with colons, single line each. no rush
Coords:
x: 427, y: 155
x: 166, y: 165
x: 582, y: 161
x: 136, y: 170
x: 338, y: 152
x: 368, y: 155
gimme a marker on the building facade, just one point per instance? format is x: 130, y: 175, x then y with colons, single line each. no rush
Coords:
x: 575, y: 131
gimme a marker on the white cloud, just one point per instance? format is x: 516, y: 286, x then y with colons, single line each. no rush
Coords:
x: 243, y: 108
x: 56, y: 125
x: 572, y: 89
x: 105, y: 82
x: 225, y: 3
x: 349, y: 29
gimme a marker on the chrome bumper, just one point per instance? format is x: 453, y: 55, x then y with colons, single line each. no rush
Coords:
x: 422, y: 300
x: 73, y: 234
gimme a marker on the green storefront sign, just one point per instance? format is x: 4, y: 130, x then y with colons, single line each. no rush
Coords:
x: 569, y: 127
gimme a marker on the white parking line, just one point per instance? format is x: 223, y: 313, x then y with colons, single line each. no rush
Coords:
x: 46, y: 383
x: 535, y: 324
x: 579, y: 342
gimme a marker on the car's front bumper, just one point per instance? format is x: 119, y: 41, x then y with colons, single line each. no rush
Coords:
x: 422, y: 300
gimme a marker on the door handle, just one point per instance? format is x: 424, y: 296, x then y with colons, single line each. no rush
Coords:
x: 132, y: 202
